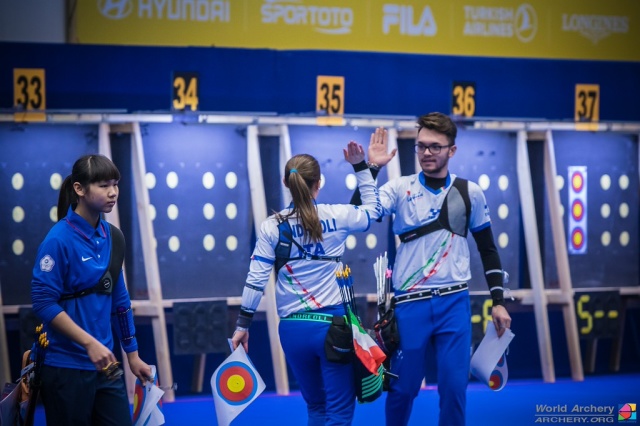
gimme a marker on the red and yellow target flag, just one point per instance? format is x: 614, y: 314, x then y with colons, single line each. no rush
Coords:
x: 489, y: 361
x: 235, y: 384
x: 147, y: 402
x: 578, y: 210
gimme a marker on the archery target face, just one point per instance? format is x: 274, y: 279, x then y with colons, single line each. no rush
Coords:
x: 236, y: 383
x: 577, y: 209
x: 496, y: 379
x: 138, y: 401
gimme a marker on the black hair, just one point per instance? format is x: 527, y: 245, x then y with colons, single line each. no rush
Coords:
x: 86, y: 170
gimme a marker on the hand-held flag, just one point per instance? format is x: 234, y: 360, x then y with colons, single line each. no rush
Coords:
x: 365, y: 348
x: 147, y: 402
x: 235, y: 384
x: 10, y: 407
x: 489, y: 362
x: 367, y: 363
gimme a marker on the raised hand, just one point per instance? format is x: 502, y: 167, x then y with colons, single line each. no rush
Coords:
x: 378, y: 147
x: 354, y: 153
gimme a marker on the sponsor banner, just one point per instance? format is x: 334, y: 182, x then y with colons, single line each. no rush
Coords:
x: 572, y: 29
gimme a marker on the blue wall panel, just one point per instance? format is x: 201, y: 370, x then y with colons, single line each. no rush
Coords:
x: 609, y: 158
x: 34, y: 159
x: 403, y: 84
x: 489, y: 159
x: 191, y: 152
x: 140, y: 79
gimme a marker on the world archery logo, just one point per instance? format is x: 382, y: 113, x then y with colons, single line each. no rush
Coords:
x: 236, y: 383
x: 627, y: 413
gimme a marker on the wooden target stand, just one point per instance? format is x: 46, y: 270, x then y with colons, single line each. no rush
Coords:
x: 5, y: 372
x: 153, y: 307
x: 538, y: 296
x: 541, y: 297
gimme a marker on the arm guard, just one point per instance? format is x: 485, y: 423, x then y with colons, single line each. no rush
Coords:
x: 245, y: 317
x: 251, y: 296
x: 122, y: 322
x: 355, y: 198
x: 491, y: 263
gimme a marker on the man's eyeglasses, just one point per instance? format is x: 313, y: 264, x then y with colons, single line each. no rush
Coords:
x: 434, y: 149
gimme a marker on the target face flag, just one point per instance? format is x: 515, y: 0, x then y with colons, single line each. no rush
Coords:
x: 499, y: 376
x: 139, y: 397
x: 147, y: 402
x: 235, y: 384
x: 489, y: 361
x: 577, y: 210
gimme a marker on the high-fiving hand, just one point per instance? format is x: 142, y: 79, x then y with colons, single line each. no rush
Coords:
x: 354, y: 153
x: 379, y: 147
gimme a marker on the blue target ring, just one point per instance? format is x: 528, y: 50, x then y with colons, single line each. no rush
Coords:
x: 236, y: 383
x: 495, y: 380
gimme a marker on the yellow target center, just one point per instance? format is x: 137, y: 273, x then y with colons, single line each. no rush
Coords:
x: 491, y: 383
x: 577, y: 182
x: 577, y: 238
x: 577, y: 210
x: 235, y: 383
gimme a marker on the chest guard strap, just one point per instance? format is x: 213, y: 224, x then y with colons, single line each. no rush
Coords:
x: 454, y: 216
x: 285, y: 242
x: 106, y: 282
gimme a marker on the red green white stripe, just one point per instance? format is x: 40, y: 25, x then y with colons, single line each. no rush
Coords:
x: 366, y: 349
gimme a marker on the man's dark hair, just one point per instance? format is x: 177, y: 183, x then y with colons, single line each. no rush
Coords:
x: 440, y: 123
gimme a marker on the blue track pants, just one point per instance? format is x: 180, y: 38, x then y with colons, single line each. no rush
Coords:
x: 445, y: 322
x: 327, y: 387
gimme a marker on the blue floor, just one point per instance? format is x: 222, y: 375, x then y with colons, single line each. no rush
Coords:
x: 520, y: 403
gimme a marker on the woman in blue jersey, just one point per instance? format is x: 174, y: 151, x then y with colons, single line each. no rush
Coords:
x: 76, y: 313
x: 307, y: 293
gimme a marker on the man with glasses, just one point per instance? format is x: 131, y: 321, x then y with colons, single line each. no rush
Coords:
x: 433, y: 210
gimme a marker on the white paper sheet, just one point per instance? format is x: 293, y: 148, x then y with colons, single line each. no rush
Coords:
x: 489, y: 362
x: 150, y: 413
x: 9, y: 408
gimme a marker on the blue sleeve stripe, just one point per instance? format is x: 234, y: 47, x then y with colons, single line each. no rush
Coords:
x: 368, y: 221
x: 264, y: 260
x: 481, y: 227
